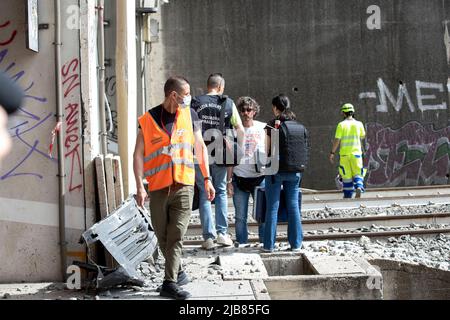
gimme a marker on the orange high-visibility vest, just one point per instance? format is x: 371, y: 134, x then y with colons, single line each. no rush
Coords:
x: 168, y: 159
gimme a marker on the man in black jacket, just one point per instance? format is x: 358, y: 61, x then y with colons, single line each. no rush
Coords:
x: 216, y: 112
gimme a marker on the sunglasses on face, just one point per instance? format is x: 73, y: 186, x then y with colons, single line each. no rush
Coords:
x: 244, y: 110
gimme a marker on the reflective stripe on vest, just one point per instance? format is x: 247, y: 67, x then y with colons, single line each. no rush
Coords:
x: 163, y: 150
x: 154, y: 171
x: 351, y: 144
x: 187, y: 163
x: 350, y: 141
x: 168, y: 165
x: 168, y: 159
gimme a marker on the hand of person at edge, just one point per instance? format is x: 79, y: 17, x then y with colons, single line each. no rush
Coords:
x: 141, y: 196
x: 210, y: 191
x: 331, y: 158
x: 230, y: 189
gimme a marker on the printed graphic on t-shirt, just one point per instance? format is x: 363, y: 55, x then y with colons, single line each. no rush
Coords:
x: 253, y: 141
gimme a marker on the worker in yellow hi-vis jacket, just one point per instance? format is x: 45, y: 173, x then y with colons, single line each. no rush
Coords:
x: 349, y: 137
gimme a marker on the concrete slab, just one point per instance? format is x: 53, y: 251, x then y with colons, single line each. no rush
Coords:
x: 200, y: 290
x: 223, y: 290
x: 243, y: 266
x: 323, y: 264
x: 202, y: 268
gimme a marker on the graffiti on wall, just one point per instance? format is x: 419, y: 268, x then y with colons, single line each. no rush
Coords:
x: 71, y: 81
x: 34, y: 115
x: 12, y: 35
x: 414, y: 154
x: 31, y: 115
x: 427, y: 95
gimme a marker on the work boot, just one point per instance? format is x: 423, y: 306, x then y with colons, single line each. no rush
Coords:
x: 358, y: 193
x: 170, y: 289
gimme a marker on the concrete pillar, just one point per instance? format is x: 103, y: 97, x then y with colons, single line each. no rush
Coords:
x: 155, y: 60
x: 126, y: 89
x: 89, y: 93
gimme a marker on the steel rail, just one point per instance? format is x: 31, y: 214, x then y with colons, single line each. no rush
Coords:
x: 350, y: 236
x: 348, y: 222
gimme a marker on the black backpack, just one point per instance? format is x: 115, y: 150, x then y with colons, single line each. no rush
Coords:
x: 294, y: 146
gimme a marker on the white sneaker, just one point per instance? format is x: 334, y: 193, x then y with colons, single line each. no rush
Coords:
x: 224, y: 240
x: 208, y: 244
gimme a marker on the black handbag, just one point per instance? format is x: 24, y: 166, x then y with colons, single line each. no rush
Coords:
x: 260, y: 206
x: 248, y: 184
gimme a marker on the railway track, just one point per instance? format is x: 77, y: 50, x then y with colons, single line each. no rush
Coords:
x: 313, y: 195
x: 424, y: 225
x: 350, y: 235
x: 372, y: 198
x: 347, y: 228
x: 377, y: 197
x: 342, y: 204
x: 347, y: 223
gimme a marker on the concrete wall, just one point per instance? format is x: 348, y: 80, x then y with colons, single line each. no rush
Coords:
x: 321, y: 287
x: 322, y: 54
x: 28, y: 177
x: 405, y: 281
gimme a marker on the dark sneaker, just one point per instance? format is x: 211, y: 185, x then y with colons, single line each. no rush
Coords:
x: 172, y: 290
x: 182, y: 278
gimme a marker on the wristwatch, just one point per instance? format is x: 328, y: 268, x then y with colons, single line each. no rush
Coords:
x: 230, y: 181
x: 208, y: 178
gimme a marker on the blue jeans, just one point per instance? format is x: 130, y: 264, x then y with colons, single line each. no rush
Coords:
x: 291, y: 185
x: 219, y: 179
x: 240, y: 201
